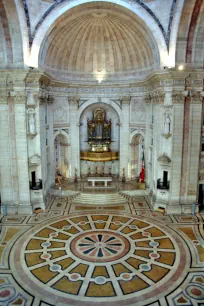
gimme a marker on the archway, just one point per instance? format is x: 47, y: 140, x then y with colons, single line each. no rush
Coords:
x: 137, y: 149
x: 61, y: 156
x: 101, y: 166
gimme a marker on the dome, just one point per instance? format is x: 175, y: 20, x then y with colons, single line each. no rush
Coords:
x: 98, y: 41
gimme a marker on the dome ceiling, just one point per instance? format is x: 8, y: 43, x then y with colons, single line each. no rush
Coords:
x: 98, y: 41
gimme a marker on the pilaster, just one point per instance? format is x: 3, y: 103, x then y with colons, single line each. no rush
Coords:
x: 74, y: 135
x: 177, y: 150
x: 191, y: 148
x: 124, y: 135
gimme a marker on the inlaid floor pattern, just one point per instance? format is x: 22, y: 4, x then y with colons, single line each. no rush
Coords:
x: 64, y: 257
x: 99, y: 199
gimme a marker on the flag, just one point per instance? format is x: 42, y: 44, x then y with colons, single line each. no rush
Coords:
x: 142, y: 173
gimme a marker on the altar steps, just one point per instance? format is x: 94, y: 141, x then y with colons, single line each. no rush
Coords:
x: 99, y: 199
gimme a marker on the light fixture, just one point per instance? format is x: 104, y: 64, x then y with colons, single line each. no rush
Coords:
x: 180, y: 67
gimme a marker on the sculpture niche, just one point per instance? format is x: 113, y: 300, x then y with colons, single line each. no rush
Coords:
x: 99, y: 138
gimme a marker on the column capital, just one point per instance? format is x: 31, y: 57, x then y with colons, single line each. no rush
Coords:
x: 3, y: 99
x: 196, y: 97
x: 158, y: 97
x: 177, y: 97
x: 50, y: 99
x: 73, y: 100
x: 43, y: 98
x: 148, y: 100
x: 125, y: 100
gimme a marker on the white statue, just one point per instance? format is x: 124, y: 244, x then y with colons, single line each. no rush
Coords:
x: 167, y: 124
x: 31, y: 123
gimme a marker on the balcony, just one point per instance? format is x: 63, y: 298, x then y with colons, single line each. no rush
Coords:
x: 36, y: 185
x: 163, y: 185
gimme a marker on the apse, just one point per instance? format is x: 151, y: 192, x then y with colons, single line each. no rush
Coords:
x: 98, y: 41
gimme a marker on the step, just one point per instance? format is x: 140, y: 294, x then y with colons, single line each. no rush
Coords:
x: 99, y: 199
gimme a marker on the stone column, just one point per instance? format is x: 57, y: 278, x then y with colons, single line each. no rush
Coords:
x: 124, y: 136
x: 177, y: 150
x: 148, y: 145
x: 6, y: 180
x: 191, y: 150
x: 21, y: 152
x: 15, y: 190
x: 51, y: 153
x: 74, y: 136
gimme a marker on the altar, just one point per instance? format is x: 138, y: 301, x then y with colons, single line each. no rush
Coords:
x: 99, y: 139
x: 100, y: 179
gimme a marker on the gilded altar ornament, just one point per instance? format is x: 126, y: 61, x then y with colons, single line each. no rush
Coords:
x: 123, y: 176
x: 75, y: 177
x: 99, y: 138
x: 89, y: 171
x: 99, y: 131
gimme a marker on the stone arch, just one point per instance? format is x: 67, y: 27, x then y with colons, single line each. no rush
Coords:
x: 190, y: 49
x: 136, y: 152
x: 136, y: 8
x: 136, y: 132
x: 61, y: 132
x: 10, y: 36
x: 62, y: 151
x: 95, y: 101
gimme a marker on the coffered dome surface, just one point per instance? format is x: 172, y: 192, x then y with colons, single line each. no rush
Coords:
x: 98, y: 41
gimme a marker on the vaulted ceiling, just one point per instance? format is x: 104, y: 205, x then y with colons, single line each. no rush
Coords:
x: 98, y: 40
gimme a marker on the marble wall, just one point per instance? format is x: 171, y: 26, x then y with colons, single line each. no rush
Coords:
x: 166, y: 118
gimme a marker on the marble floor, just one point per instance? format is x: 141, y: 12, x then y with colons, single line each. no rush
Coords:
x: 93, y: 255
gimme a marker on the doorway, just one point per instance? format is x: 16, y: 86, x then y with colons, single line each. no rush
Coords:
x: 33, y: 178
x: 61, y: 156
x: 137, y: 149
x: 165, y: 179
x: 201, y: 197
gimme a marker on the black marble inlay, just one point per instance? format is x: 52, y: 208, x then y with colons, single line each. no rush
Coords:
x: 88, y: 251
x: 110, y: 239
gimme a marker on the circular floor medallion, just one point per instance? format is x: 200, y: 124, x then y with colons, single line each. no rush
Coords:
x: 117, y: 259
x: 100, y: 246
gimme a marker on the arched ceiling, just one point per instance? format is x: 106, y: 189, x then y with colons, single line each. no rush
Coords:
x: 10, y: 36
x: 98, y: 41
x: 190, y: 39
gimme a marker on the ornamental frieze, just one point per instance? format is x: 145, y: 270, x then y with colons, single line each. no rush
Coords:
x: 178, y: 97
x: 19, y: 97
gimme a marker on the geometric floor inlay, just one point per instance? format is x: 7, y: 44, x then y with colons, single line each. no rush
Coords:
x: 120, y: 259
